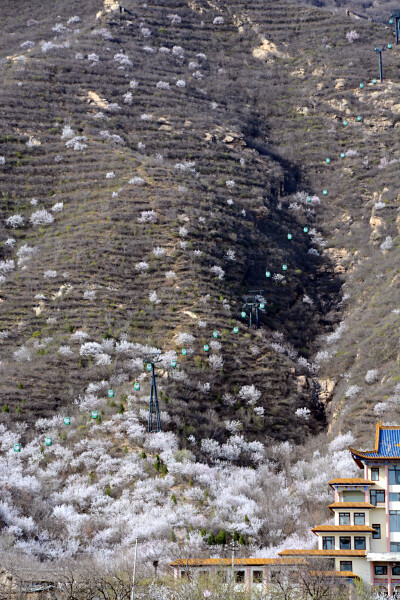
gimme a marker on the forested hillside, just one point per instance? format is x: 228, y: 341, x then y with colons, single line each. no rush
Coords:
x: 157, y: 164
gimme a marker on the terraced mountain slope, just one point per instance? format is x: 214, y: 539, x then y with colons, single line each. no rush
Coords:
x: 330, y: 108
x: 357, y: 9
x: 142, y: 141
x: 154, y: 163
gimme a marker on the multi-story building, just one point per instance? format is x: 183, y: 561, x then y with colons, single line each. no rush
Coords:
x: 365, y: 536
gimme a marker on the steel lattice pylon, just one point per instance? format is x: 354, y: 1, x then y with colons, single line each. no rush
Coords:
x: 252, y: 304
x: 154, y: 411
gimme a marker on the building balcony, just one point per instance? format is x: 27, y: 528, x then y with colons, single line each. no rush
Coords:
x: 350, y: 482
x: 355, y: 505
x: 383, y: 557
x: 343, y: 528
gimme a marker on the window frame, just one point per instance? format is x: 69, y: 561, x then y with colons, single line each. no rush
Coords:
x: 236, y: 575
x: 360, y: 537
x: 374, y: 497
x: 260, y: 579
x: 344, y: 514
x: 394, y: 520
x: 359, y: 515
x: 382, y: 567
x: 202, y: 573
x: 325, y: 542
x: 397, y: 567
x: 376, y: 535
x: 394, y: 475
x: 374, y: 472
x: 341, y: 541
x: 397, y: 544
x: 346, y: 562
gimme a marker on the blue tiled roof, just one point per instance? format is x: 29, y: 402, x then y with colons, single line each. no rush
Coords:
x: 388, y: 444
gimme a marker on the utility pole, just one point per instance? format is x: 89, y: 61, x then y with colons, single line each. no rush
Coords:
x: 395, y: 17
x: 134, y: 572
x: 233, y: 548
x: 380, y: 48
x: 154, y: 412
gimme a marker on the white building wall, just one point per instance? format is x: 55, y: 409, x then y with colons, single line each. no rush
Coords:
x: 352, y: 511
x: 381, y: 483
x: 360, y: 567
x: 378, y: 517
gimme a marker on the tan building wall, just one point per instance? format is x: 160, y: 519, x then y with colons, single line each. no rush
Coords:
x: 360, y: 567
x: 378, y: 517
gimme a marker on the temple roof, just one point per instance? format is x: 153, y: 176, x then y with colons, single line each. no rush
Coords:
x: 205, y: 562
x: 387, y: 445
x: 350, y: 528
x: 350, y: 481
x: 334, y: 574
x: 322, y: 553
x: 341, y: 505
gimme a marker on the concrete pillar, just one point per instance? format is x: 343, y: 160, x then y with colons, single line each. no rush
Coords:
x: 389, y: 568
x: 266, y: 577
x: 372, y: 573
x: 387, y: 508
x: 248, y: 578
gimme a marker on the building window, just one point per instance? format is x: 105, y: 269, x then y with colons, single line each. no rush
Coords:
x: 377, y: 533
x: 374, y: 474
x: 344, y: 518
x: 353, y: 496
x: 359, y: 543
x: 377, y: 496
x: 222, y: 576
x: 380, y: 570
x: 239, y: 576
x: 202, y: 573
x: 396, y: 570
x: 257, y: 576
x: 359, y: 518
x: 394, y: 475
x: 394, y: 546
x: 394, y: 497
x: 346, y: 565
x: 328, y: 543
x: 345, y: 543
x: 394, y: 520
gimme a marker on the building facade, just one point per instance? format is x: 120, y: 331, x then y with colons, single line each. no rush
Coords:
x: 252, y: 573
x: 247, y: 572
x: 365, y: 536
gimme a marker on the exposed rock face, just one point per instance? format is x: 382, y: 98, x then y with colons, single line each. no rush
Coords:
x: 326, y: 390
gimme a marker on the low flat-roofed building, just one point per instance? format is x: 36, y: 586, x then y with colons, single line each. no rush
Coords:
x: 250, y: 573
x: 247, y: 571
